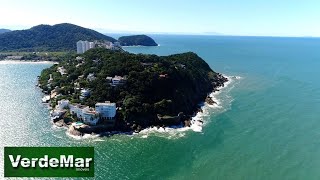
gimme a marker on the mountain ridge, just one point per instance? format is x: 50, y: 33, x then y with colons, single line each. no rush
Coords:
x: 59, y: 37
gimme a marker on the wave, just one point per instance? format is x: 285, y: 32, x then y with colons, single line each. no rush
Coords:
x: 85, y: 136
x: 174, y: 132
x: 55, y: 127
x: 198, y: 121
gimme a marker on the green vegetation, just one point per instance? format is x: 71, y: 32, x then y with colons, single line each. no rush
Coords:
x: 164, y: 85
x: 137, y: 40
x: 38, y: 56
x: 60, y: 37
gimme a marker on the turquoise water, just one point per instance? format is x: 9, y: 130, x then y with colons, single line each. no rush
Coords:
x: 267, y: 125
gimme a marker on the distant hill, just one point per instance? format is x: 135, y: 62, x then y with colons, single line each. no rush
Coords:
x: 4, y: 30
x: 137, y: 40
x: 59, y: 37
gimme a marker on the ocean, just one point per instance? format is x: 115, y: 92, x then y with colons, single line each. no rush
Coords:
x: 266, y: 125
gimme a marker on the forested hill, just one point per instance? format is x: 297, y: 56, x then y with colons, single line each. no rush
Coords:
x: 165, y: 85
x: 59, y: 37
x: 4, y: 30
x: 137, y: 40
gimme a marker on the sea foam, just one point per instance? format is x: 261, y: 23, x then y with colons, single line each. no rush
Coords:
x: 178, y: 131
x: 197, y: 122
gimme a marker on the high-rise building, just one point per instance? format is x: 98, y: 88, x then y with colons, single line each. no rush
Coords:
x: 83, y: 46
x: 80, y: 47
x: 92, y: 45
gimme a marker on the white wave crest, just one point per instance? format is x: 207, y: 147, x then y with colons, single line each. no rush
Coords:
x: 173, y: 132
x: 85, y: 136
x: 197, y: 122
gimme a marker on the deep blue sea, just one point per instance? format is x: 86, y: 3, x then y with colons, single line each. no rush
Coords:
x: 267, y: 124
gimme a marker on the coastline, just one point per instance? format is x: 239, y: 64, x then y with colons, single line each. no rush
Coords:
x: 5, y: 61
x: 140, y: 46
x: 196, y: 120
x: 70, y: 108
x: 195, y: 125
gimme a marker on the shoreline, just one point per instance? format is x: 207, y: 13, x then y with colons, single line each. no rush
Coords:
x: 195, y: 126
x: 140, y: 46
x: 7, y: 61
x: 196, y: 120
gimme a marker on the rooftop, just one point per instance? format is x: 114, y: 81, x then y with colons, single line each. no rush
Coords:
x: 118, y: 78
x: 107, y: 103
x: 80, y: 106
x: 91, y: 112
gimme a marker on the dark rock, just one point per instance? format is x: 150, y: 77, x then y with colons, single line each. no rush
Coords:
x: 60, y: 123
x: 187, y: 123
x: 210, y: 101
x: 74, y: 131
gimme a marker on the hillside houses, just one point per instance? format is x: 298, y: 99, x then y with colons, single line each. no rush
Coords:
x: 105, y: 111
x: 62, y: 71
x: 84, y: 93
x: 91, y: 77
x: 116, y: 80
x: 102, y: 111
x: 83, y: 46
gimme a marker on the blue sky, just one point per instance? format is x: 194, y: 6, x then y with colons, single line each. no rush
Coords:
x: 229, y: 17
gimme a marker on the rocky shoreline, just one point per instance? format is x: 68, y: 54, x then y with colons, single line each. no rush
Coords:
x: 181, y: 120
x: 111, y: 91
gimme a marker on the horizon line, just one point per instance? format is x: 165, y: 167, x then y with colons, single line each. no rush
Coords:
x: 109, y: 31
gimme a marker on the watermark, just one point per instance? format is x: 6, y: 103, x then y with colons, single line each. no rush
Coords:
x: 49, y: 162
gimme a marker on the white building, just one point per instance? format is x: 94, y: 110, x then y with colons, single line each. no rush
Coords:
x: 91, y: 77
x: 80, y: 48
x: 90, y: 117
x: 62, y: 104
x: 85, y: 114
x: 117, y: 80
x: 103, y: 111
x: 83, y: 46
x: 78, y: 58
x: 62, y: 71
x: 106, y: 110
x: 50, y: 79
x: 77, y: 109
x: 92, y: 45
x: 109, y: 79
x: 85, y: 92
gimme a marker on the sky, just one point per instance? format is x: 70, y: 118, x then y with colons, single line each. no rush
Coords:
x: 226, y: 17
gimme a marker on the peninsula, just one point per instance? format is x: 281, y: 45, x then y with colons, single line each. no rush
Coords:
x: 105, y: 90
x: 137, y: 40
